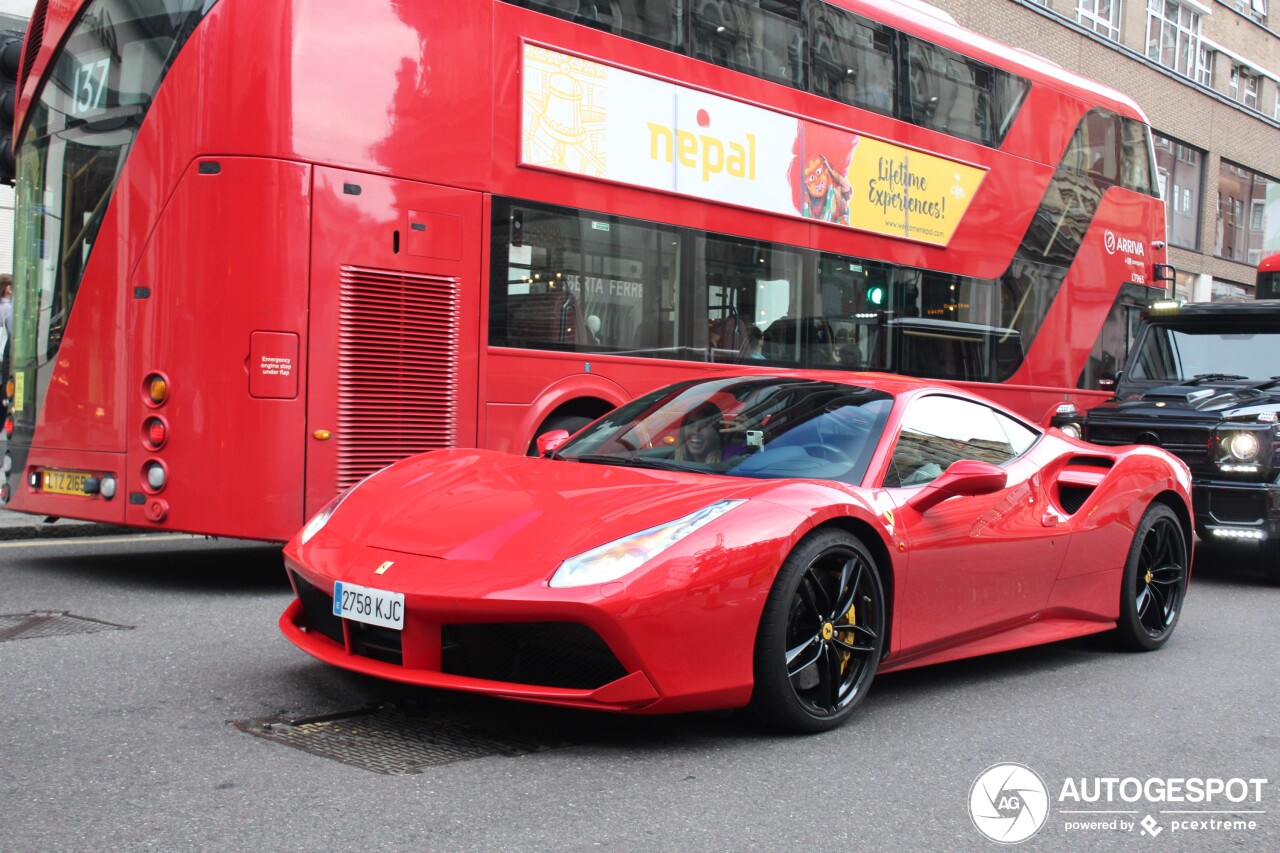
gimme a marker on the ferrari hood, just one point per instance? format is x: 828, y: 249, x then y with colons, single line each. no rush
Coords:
x: 479, y: 505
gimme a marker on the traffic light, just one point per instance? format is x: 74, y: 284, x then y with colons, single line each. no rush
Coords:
x: 10, y: 61
x: 875, y: 295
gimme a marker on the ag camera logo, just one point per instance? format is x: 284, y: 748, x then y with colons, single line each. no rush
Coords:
x: 1008, y: 803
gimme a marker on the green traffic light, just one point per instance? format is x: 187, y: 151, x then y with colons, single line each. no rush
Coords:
x: 875, y: 295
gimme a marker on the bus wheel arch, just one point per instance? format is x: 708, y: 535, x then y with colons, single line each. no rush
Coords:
x: 569, y: 404
x: 572, y: 416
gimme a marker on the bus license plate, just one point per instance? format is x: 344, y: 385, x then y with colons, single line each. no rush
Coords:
x: 64, y: 482
x: 369, y: 605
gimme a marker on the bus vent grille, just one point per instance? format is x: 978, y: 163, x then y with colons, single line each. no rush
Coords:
x: 35, y: 38
x: 397, y: 368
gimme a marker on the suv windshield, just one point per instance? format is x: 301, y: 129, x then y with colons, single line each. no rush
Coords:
x: 765, y: 427
x: 1177, y: 354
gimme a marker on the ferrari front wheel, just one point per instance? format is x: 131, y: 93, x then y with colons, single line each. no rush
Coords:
x: 821, y: 635
x: 1154, y: 582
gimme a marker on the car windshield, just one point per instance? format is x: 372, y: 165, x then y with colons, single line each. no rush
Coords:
x: 1170, y: 354
x: 766, y: 427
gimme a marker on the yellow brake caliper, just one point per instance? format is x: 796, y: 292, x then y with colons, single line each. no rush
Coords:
x: 850, y: 618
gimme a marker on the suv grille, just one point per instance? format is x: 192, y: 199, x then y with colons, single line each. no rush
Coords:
x: 1190, y: 444
x: 1237, y: 506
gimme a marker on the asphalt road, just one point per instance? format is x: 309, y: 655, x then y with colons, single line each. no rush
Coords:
x: 188, y: 723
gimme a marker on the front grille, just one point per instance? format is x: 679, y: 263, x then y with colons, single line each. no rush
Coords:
x: 1237, y: 506
x: 546, y: 654
x: 374, y: 641
x: 1190, y: 444
x: 318, y: 607
x: 398, y: 355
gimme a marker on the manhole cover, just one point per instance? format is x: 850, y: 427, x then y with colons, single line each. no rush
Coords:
x: 385, y: 739
x: 51, y: 623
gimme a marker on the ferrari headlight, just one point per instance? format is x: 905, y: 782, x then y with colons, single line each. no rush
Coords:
x: 321, y: 518
x: 623, y: 556
x: 1243, y: 446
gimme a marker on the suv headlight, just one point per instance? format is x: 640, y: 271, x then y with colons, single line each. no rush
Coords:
x: 623, y: 556
x: 1243, y: 446
x: 1241, y: 450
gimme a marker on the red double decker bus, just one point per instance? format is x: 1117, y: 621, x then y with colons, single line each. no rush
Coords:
x: 264, y: 249
x: 1268, y: 278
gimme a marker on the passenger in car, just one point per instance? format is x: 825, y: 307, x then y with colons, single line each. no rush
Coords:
x: 699, y: 439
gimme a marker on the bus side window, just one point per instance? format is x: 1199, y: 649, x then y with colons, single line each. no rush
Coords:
x: 546, y: 318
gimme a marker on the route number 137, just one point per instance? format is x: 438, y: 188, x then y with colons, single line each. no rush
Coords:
x: 89, y: 84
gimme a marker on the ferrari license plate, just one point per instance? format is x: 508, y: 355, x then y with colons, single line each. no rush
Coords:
x: 64, y: 482
x: 369, y: 605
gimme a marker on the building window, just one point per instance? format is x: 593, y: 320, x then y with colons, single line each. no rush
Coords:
x: 1248, y: 226
x: 1181, y: 171
x: 1173, y: 36
x: 1102, y: 16
x: 1244, y: 86
x: 1204, y: 67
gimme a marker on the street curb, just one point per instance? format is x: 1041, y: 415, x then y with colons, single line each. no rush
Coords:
x: 57, y: 530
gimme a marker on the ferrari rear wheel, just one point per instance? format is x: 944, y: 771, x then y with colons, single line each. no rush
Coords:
x: 821, y: 634
x: 1155, y: 581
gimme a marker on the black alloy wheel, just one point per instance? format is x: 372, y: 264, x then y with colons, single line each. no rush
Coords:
x: 821, y: 635
x: 1155, y: 581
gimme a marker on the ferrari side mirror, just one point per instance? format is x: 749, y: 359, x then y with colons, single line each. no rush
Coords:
x: 551, y: 441
x: 965, y: 477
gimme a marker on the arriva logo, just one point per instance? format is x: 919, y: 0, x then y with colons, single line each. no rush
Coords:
x: 1122, y: 244
x: 708, y: 154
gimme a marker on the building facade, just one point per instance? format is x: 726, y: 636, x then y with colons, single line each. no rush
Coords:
x: 1207, y: 73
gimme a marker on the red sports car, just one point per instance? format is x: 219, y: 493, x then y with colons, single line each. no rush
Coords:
x: 762, y: 541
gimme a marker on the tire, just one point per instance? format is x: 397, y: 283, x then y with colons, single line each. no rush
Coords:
x: 572, y: 423
x: 813, y: 664
x: 1154, y: 584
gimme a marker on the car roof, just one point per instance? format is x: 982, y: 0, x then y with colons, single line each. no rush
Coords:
x: 891, y: 383
x: 1192, y: 311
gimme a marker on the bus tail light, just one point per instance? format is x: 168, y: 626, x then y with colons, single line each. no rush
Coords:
x: 154, y: 475
x: 108, y: 487
x: 154, y: 433
x: 157, y: 389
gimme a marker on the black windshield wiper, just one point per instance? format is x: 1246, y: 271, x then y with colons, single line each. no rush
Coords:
x: 1213, y: 377
x: 632, y: 461
x: 600, y: 459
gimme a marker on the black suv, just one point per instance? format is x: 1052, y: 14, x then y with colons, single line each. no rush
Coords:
x: 1203, y: 382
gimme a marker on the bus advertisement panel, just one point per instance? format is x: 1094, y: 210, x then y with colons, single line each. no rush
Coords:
x: 246, y: 278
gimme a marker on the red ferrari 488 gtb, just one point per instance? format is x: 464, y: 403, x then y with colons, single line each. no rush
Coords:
x: 762, y: 541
